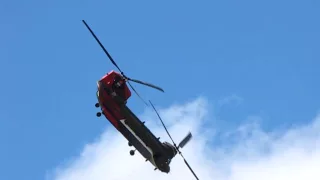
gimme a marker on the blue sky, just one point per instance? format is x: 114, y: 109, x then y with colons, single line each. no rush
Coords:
x: 264, y: 53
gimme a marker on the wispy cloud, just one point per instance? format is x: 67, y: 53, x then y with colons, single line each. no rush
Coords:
x: 232, y: 99
x: 293, y: 154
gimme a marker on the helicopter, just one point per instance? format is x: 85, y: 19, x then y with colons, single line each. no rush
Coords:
x: 112, y: 94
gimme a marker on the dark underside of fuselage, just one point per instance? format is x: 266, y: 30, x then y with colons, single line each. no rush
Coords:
x: 131, y: 125
x: 134, y: 130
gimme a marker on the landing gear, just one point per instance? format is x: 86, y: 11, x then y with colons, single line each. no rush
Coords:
x: 129, y: 144
x: 98, y: 113
x: 132, y: 152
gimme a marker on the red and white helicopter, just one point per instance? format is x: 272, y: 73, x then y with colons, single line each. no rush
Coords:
x: 112, y: 94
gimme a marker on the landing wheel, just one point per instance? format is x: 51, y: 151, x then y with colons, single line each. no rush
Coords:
x: 97, y: 105
x: 131, y: 152
x: 129, y: 144
x: 98, y: 114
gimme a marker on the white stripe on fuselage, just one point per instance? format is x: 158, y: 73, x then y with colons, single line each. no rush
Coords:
x: 151, y: 152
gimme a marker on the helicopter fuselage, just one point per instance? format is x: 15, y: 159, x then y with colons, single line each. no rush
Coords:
x: 114, y: 108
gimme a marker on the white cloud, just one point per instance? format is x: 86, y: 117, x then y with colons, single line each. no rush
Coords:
x: 230, y: 99
x: 254, y: 154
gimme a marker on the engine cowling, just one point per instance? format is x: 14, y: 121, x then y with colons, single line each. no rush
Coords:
x: 170, y: 150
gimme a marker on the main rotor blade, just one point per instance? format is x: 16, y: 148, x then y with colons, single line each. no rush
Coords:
x: 104, y: 49
x: 185, y: 140
x: 163, y: 125
x: 138, y: 94
x: 185, y: 161
x: 145, y: 83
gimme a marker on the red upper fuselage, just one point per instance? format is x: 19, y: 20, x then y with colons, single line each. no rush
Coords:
x: 108, y: 104
x: 107, y: 80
